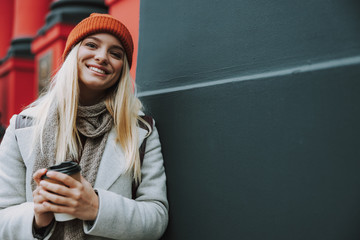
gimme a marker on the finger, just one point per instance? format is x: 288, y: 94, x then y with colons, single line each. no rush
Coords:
x: 58, y: 199
x: 36, y: 191
x: 37, y: 197
x: 59, y: 208
x: 65, y: 179
x: 55, y: 188
x: 69, y: 193
x: 41, y: 208
x: 38, y: 174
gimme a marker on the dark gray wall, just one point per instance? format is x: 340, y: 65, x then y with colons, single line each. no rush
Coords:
x: 257, y: 104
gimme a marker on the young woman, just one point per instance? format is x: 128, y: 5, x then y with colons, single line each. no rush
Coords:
x: 89, y: 115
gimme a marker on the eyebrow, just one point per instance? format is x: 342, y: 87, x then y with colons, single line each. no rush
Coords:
x: 113, y: 46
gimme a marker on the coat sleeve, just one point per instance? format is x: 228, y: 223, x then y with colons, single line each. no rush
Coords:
x: 16, y: 215
x: 146, y: 217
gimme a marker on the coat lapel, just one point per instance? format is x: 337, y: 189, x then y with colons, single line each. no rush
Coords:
x: 25, y: 142
x: 112, y: 164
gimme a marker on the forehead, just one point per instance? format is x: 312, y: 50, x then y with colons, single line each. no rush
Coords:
x: 105, y: 38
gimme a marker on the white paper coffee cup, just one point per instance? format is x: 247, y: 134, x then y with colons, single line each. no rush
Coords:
x: 72, y: 169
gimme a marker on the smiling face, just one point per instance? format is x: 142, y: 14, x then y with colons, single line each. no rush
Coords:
x: 100, y: 61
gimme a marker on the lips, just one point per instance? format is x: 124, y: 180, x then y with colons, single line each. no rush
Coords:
x: 98, y: 69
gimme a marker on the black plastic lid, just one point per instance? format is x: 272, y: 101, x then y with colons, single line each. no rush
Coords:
x: 69, y: 168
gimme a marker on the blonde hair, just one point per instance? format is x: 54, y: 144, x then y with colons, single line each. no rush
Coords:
x: 120, y: 101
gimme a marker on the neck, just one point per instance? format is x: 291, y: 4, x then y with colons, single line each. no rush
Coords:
x: 88, y: 97
x: 89, y: 100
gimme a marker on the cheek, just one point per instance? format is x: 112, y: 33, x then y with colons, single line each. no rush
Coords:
x: 118, y: 66
x: 115, y: 79
x: 118, y: 71
x: 80, y: 72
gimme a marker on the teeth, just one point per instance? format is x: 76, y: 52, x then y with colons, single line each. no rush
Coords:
x: 97, y: 70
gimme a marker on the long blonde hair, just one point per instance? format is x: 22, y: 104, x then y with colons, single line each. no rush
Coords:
x: 120, y: 101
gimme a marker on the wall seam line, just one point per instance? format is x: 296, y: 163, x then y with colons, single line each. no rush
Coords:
x: 289, y: 71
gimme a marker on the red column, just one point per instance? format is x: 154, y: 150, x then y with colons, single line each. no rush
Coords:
x: 6, y: 18
x: 17, y: 70
x: 128, y: 11
x: 29, y: 17
x: 17, y: 77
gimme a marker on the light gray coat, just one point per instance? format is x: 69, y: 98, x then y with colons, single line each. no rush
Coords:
x: 119, y: 217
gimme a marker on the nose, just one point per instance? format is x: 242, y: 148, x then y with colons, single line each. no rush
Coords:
x: 101, y: 56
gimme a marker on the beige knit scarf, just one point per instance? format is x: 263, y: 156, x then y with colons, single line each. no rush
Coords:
x: 93, y: 123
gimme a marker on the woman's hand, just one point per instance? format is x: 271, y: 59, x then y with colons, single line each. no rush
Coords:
x: 43, y: 216
x: 76, y: 198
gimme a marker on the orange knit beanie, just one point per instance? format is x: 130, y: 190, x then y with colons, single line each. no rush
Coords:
x: 100, y: 23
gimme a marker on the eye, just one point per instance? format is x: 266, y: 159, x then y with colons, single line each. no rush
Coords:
x: 117, y: 55
x: 90, y: 45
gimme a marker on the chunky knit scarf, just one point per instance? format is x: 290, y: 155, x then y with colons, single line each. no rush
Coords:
x: 93, y: 123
